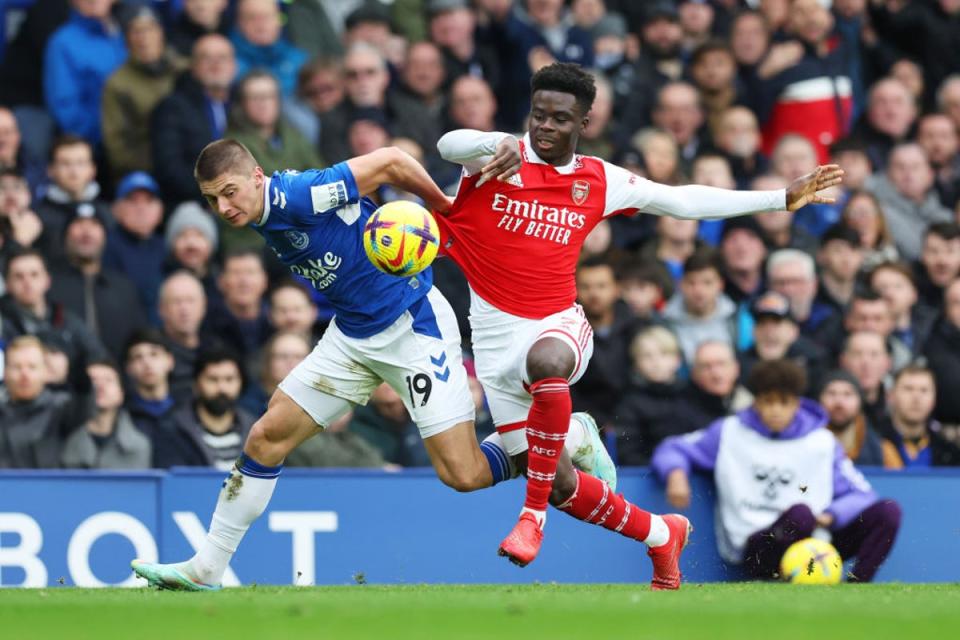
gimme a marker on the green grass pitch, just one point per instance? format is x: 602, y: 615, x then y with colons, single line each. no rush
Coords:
x: 545, y: 611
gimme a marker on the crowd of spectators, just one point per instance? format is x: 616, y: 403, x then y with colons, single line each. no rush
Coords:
x: 140, y: 331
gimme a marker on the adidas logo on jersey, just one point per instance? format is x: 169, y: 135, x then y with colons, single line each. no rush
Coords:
x: 515, y: 180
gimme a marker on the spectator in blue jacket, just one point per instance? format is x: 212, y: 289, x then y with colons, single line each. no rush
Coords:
x: 259, y: 43
x: 133, y: 245
x: 80, y: 56
x: 780, y: 474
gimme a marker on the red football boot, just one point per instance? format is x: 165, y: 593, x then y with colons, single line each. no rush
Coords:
x: 666, y: 558
x: 523, y: 543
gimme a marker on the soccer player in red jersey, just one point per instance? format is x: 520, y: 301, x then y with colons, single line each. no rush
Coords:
x: 516, y: 227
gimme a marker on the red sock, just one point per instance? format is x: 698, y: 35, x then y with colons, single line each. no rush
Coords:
x: 594, y: 502
x: 547, y: 425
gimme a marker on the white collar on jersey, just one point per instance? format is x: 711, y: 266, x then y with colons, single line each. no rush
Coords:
x: 531, y: 156
x: 266, y: 203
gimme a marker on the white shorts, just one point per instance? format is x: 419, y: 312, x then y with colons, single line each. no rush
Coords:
x: 500, y: 345
x: 418, y: 355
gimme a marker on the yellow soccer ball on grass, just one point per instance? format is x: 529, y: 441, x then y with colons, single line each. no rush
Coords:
x: 401, y: 238
x: 811, y: 561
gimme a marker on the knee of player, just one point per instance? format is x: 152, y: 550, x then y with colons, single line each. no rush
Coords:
x: 564, y: 485
x: 464, y: 481
x: 550, y: 358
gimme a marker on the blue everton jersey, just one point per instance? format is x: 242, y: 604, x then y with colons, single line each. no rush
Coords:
x: 314, y: 222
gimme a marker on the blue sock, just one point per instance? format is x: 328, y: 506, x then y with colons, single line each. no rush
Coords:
x: 497, y: 459
x: 250, y: 467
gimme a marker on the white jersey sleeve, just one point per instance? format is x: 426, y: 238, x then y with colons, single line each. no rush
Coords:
x: 628, y: 194
x: 470, y: 148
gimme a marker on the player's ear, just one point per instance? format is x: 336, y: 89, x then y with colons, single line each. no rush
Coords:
x: 584, y: 122
x: 258, y: 175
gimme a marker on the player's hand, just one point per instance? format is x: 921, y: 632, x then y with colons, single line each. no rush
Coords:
x: 805, y: 190
x: 825, y: 520
x: 505, y: 162
x: 678, y: 489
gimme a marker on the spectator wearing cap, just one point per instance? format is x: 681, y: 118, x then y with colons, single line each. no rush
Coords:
x: 937, y: 134
x: 197, y: 19
x: 779, y: 231
x: 776, y: 336
x: 20, y: 226
x: 452, y: 26
x: 939, y: 263
x: 33, y: 418
x: 191, y: 239
x: 107, y: 300
x: 134, y: 89
x: 133, y: 245
x: 908, y: 199
x: 73, y: 191
x: 737, y: 136
x: 527, y: 40
x: 78, y: 59
x: 108, y: 439
x: 367, y: 87
x: 942, y: 352
x: 194, y: 114
x: 14, y: 155
x: 911, y: 436
x: 792, y: 272
x: 259, y: 43
x: 148, y: 364
x: 839, y: 258
x: 743, y: 252
x: 700, y: 311
x: 841, y: 398
x: 613, y: 329
x: 257, y: 122
x: 26, y: 310
x: 912, y: 321
x: 803, y: 85
x: 863, y: 214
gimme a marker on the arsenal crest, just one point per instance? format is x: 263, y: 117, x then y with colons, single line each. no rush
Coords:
x: 580, y: 191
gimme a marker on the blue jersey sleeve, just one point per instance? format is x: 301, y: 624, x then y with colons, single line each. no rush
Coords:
x: 299, y: 197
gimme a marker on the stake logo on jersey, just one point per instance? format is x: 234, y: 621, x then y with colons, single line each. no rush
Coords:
x: 314, y: 222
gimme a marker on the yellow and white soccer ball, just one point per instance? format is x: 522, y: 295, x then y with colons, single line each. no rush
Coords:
x: 401, y: 238
x: 811, y: 561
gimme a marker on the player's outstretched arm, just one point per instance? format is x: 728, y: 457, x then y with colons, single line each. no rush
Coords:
x: 494, y: 154
x: 391, y: 165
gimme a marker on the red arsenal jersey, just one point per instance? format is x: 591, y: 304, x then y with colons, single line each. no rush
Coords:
x: 518, y: 241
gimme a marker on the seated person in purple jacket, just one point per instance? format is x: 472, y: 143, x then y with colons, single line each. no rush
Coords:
x: 780, y: 474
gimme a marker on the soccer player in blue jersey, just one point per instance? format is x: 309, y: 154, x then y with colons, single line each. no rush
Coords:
x: 399, y: 330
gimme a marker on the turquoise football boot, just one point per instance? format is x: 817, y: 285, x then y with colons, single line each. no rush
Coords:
x: 593, y: 457
x: 169, y: 576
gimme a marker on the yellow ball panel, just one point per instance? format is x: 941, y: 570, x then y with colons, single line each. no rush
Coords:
x: 811, y: 561
x: 401, y: 238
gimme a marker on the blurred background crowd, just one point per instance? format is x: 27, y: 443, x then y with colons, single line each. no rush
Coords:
x: 138, y: 331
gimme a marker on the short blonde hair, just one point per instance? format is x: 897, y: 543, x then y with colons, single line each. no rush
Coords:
x: 26, y: 342
x: 660, y: 336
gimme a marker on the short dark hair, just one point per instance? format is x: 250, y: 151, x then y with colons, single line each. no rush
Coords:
x: 220, y: 157
x: 914, y: 369
x: 943, y: 230
x: 782, y: 377
x: 25, y: 252
x: 244, y: 252
x: 566, y: 77
x: 865, y: 294
x: 703, y: 259
x: 147, y: 335
x: 290, y: 283
x: 842, y: 232
x: 67, y: 140
x: 215, y: 355
x: 648, y: 271
x: 710, y: 46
